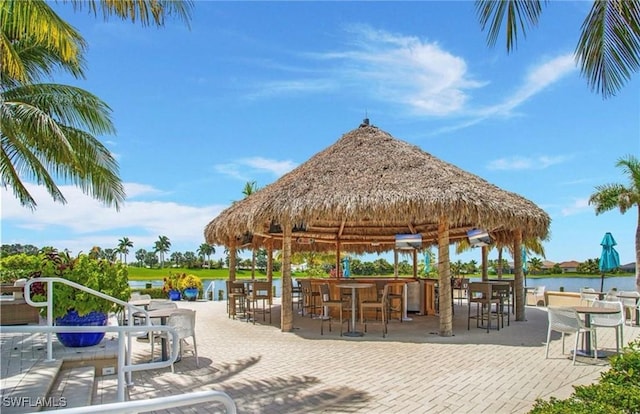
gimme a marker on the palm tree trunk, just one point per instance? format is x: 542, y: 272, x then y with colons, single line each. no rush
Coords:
x: 446, y: 313
x: 286, y: 315
x: 499, y: 269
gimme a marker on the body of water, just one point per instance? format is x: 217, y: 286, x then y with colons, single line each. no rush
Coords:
x: 551, y: 283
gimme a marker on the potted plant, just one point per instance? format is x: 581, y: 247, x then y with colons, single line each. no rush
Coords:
x: 190, y: 285
x: 74, y: 307
x: 170, y: 287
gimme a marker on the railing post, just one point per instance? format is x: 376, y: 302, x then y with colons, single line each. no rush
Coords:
x: 128, y: 354
x: 49, y: 319
x: 121, y: 378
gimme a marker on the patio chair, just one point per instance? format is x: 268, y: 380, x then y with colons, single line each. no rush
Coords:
x: 261, y: 293
x: 184, y: 322
x: 503, y: 292
x: 310, y: 298
x: 379, y: 304
x: 630, y: 300
x: 615, y: 321
x: 480, y: 295
x: 567, y: 321
x: 587, y: 296
x: 296, y: 294
x: 236, y: 298
x: 395, y: 297
x: 328, y: 304
x: 537, y: 294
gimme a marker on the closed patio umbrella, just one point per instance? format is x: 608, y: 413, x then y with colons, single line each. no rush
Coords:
x: 609, y: 259
x: 346, y: 272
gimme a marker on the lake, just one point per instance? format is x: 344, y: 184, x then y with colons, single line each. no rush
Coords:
x: 570, y: 284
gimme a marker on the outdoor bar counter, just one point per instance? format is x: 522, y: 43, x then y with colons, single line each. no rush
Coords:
x: 419, y: 296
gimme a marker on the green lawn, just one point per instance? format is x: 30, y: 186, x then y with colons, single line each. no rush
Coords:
x: 142, y: 274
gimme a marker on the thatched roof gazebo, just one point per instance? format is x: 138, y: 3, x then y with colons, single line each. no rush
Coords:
x: 359, y: 193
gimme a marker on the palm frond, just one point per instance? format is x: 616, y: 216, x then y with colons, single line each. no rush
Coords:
x: 146, y: 11
x: 606, y: 197
x: 608, y: 51
x: 35, y: 19
x: 516, y: 15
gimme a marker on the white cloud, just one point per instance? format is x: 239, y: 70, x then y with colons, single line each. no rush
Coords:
x: 404, y: 70
x: 538, y: 79
x: 275, y: 167
x: 255, y: 165
x: 84, y: 222
x: 579, y: 205
x: 526, y: 163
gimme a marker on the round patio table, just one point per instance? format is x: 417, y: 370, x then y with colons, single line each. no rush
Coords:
x: 353, y: 286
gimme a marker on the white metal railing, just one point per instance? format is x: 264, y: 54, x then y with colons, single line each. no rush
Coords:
x: 161, y: 403
x: 210, y: 288
x: 126, y: 365
x: 123, y: 351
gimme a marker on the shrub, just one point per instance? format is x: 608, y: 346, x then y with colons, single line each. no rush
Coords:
x: 618, y: 390
x: 18, y: 266
x: 97, y: 274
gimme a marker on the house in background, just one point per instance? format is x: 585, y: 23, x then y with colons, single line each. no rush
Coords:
x: 570, y: 266
x: 547, y: 265
x: 629, y: 267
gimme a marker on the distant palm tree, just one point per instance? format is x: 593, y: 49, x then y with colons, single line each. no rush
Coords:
x: 207, y: 250
x: 161, y: 247
x: 140, y: 256
x: 610, y: 196
x: 123, y: 247
x: 535, y: 265
x: 608, y: 50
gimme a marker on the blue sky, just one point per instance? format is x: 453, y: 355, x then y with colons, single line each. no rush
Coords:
x: 253, y: 89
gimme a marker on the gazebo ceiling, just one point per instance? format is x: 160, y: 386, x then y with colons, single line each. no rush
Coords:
x: 366, y: 188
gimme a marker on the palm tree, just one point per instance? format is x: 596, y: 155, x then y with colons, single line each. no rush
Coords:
x: 161, y: 247
x: 140, y: 255
x: 177, y: 258
x: 535, y: 265
x: 610, y: 196
x: 48, y: 130
x: 608, y: 50
x: 123, y: 247
x: 207, y: 250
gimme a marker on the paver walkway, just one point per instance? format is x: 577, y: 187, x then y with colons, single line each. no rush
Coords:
x: 413, y: 370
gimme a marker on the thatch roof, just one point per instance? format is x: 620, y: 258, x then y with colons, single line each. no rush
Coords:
x: 365, y: 189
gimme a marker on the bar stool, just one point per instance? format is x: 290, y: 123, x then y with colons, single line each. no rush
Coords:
x: 310, y: 298
x: 396, y: 293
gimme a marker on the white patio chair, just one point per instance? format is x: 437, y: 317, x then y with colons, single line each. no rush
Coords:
x: 537, y: 294
x: 615, y: 320
x: 587, y: 296
x: 567, y: 321
x: 630, y: 300
x: 184, y: 322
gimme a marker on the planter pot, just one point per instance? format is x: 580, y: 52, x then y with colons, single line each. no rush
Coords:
x: 191, y: 293
x: 174, y: 295
x: 74, y: 339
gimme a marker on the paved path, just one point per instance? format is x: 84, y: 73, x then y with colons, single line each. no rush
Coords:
x: 413, y: 370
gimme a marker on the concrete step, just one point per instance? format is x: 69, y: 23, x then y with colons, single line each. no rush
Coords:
x: 27, y: 391
x: 74, y: 387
